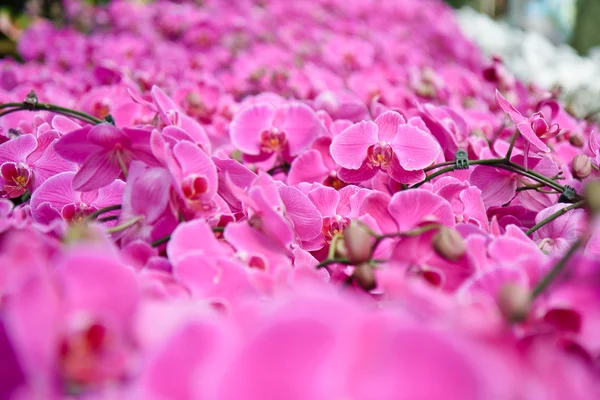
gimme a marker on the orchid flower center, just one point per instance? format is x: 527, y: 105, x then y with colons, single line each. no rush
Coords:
x: 380, y: 155
x: 333, y: 181
x: 333, y: 226
x: 80, y: 353
x: 542, y: 129
x: 194, y: 187
x: 17, y: 177
x: 100, y: 108
x: 272, y: 140
x: 77, y: 212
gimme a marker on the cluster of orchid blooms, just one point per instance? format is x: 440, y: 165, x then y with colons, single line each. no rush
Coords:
x: 290, y: 200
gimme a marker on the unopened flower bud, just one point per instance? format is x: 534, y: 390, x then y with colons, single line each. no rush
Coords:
x: 576, y: 140
x: 364, y: 276
x: 581, y: 166
x: 592, y: 196
x: 514, y: 302
x: 449, y: 244
x: 357, y: 242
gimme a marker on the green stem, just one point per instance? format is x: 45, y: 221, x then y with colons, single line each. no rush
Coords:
x: 553, y: 273
x: 109, y: 218
x: 501, y: 163
x: 329, y: 261
x: 511, y: 146
x: 552, y: 217
x: 160, y: 241
x: 440, y: 165
x: 165, y: 239
x: 95, y: 214
x: 285, y: 167
x: 414, y: 232
x: 15, y: 107
x: 122, y: 163
x: 125, y: 225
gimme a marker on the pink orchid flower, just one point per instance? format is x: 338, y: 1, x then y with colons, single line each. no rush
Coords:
x: 534, y: 129
x: 262, y: 130
x: 104, y: 152
x: 56, y: 198
x: 388, y: 144
x: 26, y: 162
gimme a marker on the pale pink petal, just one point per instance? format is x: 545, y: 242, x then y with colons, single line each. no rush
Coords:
x: 415, y: 148
x: 349, y: 148
x: 497, y: 186
x: 388, y: 124
x: 411, y: 208
x: 246, y: 127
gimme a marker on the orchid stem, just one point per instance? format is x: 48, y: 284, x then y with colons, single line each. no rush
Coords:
x: 554, y: 216
x: 511, y: 146
x: 553, y: 273
x: 502, y: 163
x: 10, y: 108
x: 101, y: 211
x: 125, y: 225
x: 414, y: 232
x: 329, y: 261
x: 165, y: 239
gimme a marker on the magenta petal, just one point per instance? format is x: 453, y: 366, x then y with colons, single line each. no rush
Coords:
x: 399, y: 174
x: 147, y: 192
x: 304, y: 215
x: 56, y: 191
x: 415, y: 148
x: 301, y: 127
x: 326, y: 200
x: 48, y: 165
x: 246, y: 127
x: 165, y: 105
x: 196, y: 131
x: 522, y: 123
x: 307, y: 167
x: 84, y: 277
x: 411, y: 208
x: 376, y: 205
x: 98, y: 170
x: 497, y: 186
x: 17, y: 149
x: 75, y: 146
x: 107, y: 136
x: 388, y: 124
x: 194, y: 236
x: 194, y: 161
x: 64, y: 125
x: 349, y: 148
x: 364, y: 173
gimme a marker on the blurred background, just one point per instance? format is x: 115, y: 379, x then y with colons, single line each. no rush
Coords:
x: 575, y: 22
